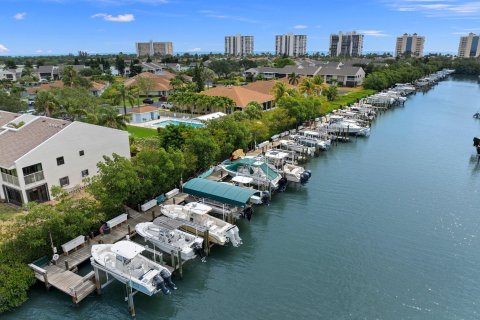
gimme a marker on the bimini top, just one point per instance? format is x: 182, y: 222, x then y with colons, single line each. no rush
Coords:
x: 127, y: 249
x: 221, y: 192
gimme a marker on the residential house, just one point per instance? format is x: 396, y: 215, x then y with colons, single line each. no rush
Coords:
x: 38, y: 153
x: 98, y: 87
x: 48, y: 73
x: 144, y: 113
x: 242, y: 95
x: 343, y: 74
x: 160, y: 83
x: 10, y: 74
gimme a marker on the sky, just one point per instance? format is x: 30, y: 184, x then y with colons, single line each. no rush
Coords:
x: 110, y: 26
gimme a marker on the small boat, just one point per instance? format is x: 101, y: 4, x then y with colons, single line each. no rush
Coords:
x: 291, y: 171
x: 220, y: 232
x: 167, y: 240
x: 339, y: 124
x: 124, y: 261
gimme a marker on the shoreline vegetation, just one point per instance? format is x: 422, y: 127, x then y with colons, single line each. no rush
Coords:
x: 173, y: 154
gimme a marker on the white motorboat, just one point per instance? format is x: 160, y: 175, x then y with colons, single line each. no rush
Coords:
x: 221, y: 232
x: 296, y: 147
x: 339, y: 124
x: 291, y: 171
x: 124, y: 261
x: 170, y: 240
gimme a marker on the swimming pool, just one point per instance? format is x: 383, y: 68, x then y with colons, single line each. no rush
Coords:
x: 165, y: 123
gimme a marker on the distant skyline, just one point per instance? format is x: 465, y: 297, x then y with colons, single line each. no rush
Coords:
x: 109, y: 26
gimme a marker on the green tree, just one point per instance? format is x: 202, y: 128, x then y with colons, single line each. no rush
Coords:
x: 122, y: 94
x: 203, y: 147
x: 10, y: 64
x: 331, y: 92
x: 46, y: 102
x: 293, y: 78
x: 120, y: 64
x: 282, y: 62
x: 11, y: 102
x: 279, y: 90
x: 69, y: 76
x: 198, y: 79
x: 116, y: 184
x: 253, y: 110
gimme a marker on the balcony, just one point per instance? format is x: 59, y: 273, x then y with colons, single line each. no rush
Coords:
x: 7, y: 178
x: 34, y: 177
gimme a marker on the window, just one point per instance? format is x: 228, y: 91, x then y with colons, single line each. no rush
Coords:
x: 84, y: 173
x: 60, y: 161
x: 64, y: 181
x: 81, y: 153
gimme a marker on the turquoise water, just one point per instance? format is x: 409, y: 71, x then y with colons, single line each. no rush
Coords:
x: 165, y: 123
x: 387, y: 228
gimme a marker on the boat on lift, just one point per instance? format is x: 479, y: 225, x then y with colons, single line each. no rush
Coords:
x: 123, y: 260
x: 169, y: 240
x: 221, y: 232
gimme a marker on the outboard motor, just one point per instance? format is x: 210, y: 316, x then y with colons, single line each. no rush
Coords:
x: 233, y: 236
x: 167, y: 276
x: 159, y: 283
x: 248, y: 212
x: 305, y: 176
x: 282, y: 184
x: 197, y: 248
x: 476, y: 142
x: 266, y: 197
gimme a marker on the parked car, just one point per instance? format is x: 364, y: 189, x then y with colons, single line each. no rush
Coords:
x: 148, y: 101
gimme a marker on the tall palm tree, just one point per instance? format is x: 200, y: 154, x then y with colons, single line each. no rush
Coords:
x: 123, y: 94
x: 69, y: 76
x: 307, y: 86
x: 279, y: 90
x: 319, y: 84
x: 46, y: 102
x: 293, y: 78
x: 109, y: 117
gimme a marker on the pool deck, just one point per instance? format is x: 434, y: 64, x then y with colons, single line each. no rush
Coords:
x: 151, y: 124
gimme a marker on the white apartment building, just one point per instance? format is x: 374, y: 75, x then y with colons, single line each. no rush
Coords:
x: 292, y: 45
x: 346, y: 44
x: 469, y: 46
x: 410, y: 45
x: 239, y: 45
x: 154, y: 48
x: 37, y: 153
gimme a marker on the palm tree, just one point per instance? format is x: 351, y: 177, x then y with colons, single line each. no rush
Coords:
x: 293, y: 78
x: 123, y: 94
x: 109, y: 117
x: 307, y: 86
x: 175, y: 83
x: 279, y: 90
x: 319, y: 84
x: 46, y: 102
x: 69, y: 76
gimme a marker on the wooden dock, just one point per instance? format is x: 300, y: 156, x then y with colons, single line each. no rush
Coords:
x: 62, y: 276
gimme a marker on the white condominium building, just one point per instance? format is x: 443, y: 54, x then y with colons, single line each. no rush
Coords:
x: 292, y: 45
x: 346, y: 44
x: 469, y: 46
x: 410, y: 45
x: 154, y: 48
x: 37, y: 153
x: 239, y: 45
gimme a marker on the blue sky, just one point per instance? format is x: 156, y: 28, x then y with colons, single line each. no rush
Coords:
x: 110, y: 26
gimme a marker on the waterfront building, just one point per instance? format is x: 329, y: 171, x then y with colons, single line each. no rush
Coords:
x: 292, y: 45
x: 160, y: 82
x: 38, y: 153
x: 154, y: 48
x: 410, y: 45
x: 238, y: 45
x: 469, y: 46
x: 344, y: 74
x: 346, y: 44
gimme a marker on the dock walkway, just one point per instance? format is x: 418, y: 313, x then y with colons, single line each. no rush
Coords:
x: 62, y: 276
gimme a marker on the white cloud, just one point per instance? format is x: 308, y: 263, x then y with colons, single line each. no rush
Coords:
x: 3, y: 49
x: 219, y: 15
x: 20, y: 16
x: 128, y: 17
x: 194, y: 50
x: 437, y: 8
x: 373, y: 33
x: 300, y: 26
x: 39, y: 51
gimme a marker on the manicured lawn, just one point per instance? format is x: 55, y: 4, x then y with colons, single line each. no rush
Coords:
x: 139, y: 132
x: 8, y: 212
x: 346, y: 99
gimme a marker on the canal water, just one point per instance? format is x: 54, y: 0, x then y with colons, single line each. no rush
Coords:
x: 388, y: 228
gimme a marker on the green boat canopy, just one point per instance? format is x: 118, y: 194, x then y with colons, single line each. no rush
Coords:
x: 218, y: 191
